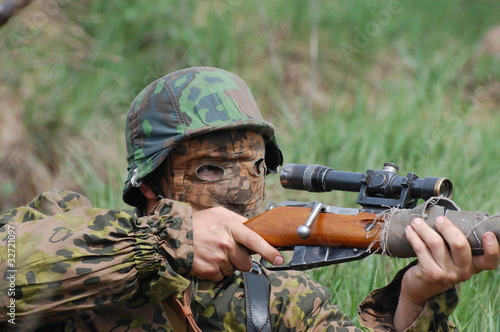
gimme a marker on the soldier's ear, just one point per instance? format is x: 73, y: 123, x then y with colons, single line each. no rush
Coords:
x: 147, y: 191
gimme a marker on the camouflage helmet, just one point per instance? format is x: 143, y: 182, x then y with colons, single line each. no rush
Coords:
x: 182, y: 105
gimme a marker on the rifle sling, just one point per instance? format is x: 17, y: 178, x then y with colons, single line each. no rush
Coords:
x: 179, y: 312
x: 256, y: 300
x: 256, y: 285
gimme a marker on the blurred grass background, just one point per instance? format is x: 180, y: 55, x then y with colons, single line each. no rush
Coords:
x: 348, y: 84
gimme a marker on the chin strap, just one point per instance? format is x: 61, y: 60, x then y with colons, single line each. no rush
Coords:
x: 157, y: 190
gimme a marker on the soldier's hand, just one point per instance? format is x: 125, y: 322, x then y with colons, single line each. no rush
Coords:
x: 443, y: 261
x: 220, y: 239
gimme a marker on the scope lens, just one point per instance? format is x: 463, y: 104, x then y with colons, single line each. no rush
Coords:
x: 445, y: 188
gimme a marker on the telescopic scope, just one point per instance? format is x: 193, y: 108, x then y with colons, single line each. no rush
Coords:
x: 384, y: 183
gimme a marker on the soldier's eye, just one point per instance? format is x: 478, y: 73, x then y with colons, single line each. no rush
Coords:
x: 210, y: 173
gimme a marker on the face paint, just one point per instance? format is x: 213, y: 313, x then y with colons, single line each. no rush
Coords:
x: 225, y: 168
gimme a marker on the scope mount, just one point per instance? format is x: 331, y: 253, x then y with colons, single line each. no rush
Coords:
x: 378, y: 179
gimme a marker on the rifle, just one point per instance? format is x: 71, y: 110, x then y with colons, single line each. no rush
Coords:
x: 320, y: 234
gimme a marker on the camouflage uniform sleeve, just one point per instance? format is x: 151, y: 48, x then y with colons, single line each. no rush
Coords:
x: 376, y: 312
x: 70, y: 256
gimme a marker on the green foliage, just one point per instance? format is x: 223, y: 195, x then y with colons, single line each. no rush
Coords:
x: 349, y: 85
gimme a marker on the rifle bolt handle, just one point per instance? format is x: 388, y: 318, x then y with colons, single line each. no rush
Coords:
x: 303, y: 231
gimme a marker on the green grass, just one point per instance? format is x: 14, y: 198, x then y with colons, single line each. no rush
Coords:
x: 349, y: 85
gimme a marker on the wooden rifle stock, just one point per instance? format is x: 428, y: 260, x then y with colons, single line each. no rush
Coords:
x: 278, y: 226
x: 361, y: 231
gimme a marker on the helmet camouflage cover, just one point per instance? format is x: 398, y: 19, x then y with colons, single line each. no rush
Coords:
x: 182, y: 105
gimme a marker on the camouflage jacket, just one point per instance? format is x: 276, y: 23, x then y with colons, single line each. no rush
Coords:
x: 67, y: 266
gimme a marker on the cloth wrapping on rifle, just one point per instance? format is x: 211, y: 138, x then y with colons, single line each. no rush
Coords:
x: 473, y: 224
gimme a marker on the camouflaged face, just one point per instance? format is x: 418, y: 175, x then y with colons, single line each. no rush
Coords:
x: 219, y: 169
x: 182, y: 105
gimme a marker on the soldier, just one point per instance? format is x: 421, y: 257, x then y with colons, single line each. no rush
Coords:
x: 198, y: 154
